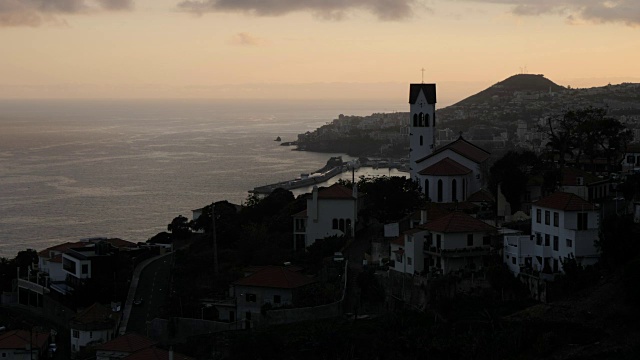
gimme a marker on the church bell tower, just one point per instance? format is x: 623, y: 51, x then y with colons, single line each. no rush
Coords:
x: 422, y: 124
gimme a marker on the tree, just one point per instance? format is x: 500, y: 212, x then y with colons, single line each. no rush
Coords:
x: 512, y: 172
x: 179, y: 227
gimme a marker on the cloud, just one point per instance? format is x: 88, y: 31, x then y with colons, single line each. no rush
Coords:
x: 37, y: 12
x: 597, y: 11
x: 246, y: 39
x: 328, y: 9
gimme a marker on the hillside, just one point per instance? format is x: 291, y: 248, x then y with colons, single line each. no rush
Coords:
x: 523, y: 83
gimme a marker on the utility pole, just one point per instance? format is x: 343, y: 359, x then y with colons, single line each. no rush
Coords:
x: 215, y: 240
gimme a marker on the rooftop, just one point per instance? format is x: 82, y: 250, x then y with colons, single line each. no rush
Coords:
x: 564, y: 201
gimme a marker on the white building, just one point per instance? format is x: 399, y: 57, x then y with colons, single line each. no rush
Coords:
x: 448, y: 173
x: 330, y: 211
x: 631, y: 159
x: 563, y: 226
x: 457, y: 241
x: 274, y: 285
x: 94, y: 325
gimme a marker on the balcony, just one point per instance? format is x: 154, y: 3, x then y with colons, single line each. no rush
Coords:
x: 458, y: 252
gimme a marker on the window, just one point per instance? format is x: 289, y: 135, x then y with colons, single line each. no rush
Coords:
x: 410, y: 238
x: 250, y: 297
x: 454, y: 190
x: 342, y: 225
x: 538, y: 216
x: 85, y: 268
x: 631, y: 159
x: 555, y: 243
x: 547, y: 240
x: 439, y: 190
x: 569, y: 243
x: 415, y: 120
x: 408, y: 261
x: 276, y: 299
x: 426, y: 120
x: 556, y: 219
x: 334, y: 224
x: 513, y: 260
x: 398, y: 258
x: 76, y: 334
x: 469, y: 239
x: 421, y: 119
x: 546, y: 217
x: 438, y: 241
x: 538, y: 239
x: 421, y: 140
x: 582, y: 221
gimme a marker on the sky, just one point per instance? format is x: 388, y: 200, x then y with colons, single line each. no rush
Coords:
x: 308, y: 49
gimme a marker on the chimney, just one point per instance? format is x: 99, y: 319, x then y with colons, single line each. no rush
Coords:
x: 423, y: 216
x: 313, y: 209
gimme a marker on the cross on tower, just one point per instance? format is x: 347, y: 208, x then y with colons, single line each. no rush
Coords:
x: 422, y: 75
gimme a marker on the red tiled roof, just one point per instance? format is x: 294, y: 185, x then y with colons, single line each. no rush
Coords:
x: 570, y: 177
x: 155, y: 354
x: 96, y: 314
x: 446, y: 167
x: 564, y: 201
x: 482, y: 195
x: 458, y: 222
x: 128, y: 343
x: 459, y: 206
x: 398, y: 241
x: 59, y: 248
x: 302, y: 213
x: 56, y: 259
x: 464, y: 148
x: 19, y: 339
x: 336, y: 191
x: 275, y: 277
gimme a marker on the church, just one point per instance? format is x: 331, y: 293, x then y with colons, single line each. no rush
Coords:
x: 446, y: 174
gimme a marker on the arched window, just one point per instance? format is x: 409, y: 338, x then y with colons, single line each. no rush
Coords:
x: 421, y: 119
x: 421, y: 140
x: 454, y: 190
x: 464, y: 189
x: 342, y: 225
x: 426, y: 120
x: 439, y: 190
x: 335, y: 224
x: 426, y: 187
x: 349, y: 226
x: 415, y: 120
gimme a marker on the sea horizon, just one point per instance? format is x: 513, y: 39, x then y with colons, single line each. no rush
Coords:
x: 73, y: 169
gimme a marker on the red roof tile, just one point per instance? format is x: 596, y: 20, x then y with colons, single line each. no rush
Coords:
x: 446, y: 167
x: 482, y: 195
x: 458, y: 222
x: 564, y: 201
x: 128, y: 343
x: 56, y: 259
x: 59, y: 248
x: 336, y: 191
x: 302, y: 214
x: 96, y: 315
x: 464, y: 148
x: 398, y: 241
x: 155, y: 354
x: 275, y: 277
x: 19, y: 339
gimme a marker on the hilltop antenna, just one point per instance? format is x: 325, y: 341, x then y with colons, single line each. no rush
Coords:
x: 422, y: 75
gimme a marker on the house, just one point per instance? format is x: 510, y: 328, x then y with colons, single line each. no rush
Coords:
x: 94, y: 325
x: 123, y: 346
x: 631, y: 159
x: 24, y: 345
x: 274, y: 285
x: 330, y: 211
x: 448, y: 173
x: 456, y: 241
x: 564, y: 226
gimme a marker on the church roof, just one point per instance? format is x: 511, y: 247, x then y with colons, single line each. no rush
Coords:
x: 458, y: 222
x: 428, y: 89
x: 275, y: 277
x: 464, y: 148
x: 446, y: 167
x: 565, y: 201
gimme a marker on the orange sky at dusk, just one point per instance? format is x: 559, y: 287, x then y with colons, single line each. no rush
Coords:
x: 308, y: 49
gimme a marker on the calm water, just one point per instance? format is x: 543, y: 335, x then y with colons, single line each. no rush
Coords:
x: 77, y: 169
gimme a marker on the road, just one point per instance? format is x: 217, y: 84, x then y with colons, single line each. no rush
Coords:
x: 153, y: 290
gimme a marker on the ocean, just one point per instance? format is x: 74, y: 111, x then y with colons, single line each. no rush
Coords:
x: 73, y: 169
